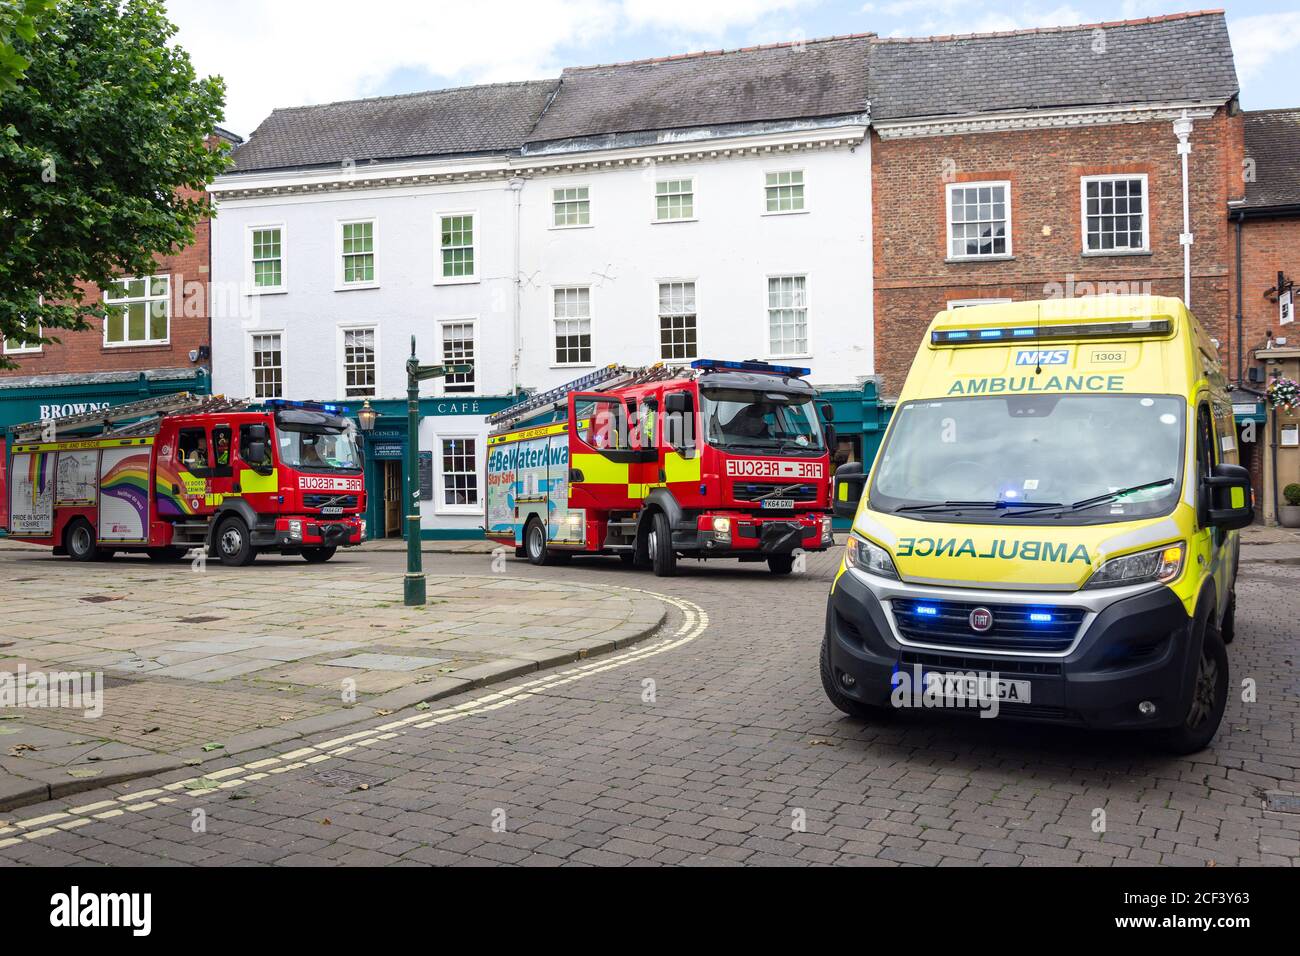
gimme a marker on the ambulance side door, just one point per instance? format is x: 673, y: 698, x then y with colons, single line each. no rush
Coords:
x: 1212, y: 545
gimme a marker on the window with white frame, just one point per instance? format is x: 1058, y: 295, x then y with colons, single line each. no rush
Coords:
x: 268, y: 365
x: 267, y: 251
x: 458, y: 349
x: 457, y: 247
x: 359, y: 363
x: 979, y: 220
x: 572, y: 317
x: 674, y: 199
x: 787, y: 315
x: 459, y: 467
x: 784, y: 191
x: 15, y: 347
x: 357, y: 243
x: 570, y: 206
x: 1114, y: 213
x: 677, y: 320
x: 139, y: 311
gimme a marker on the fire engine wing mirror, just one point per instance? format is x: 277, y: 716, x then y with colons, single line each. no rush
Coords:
x: 828, y: 411
x: 258, y: 457
x: 677, y: 403
x: 1231, y: 505
x: 256, y: 433
x: 849, y: 482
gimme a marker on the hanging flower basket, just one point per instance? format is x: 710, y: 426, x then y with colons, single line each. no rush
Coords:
x: 1284, y: 393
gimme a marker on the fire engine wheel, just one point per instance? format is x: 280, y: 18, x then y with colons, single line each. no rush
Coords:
x: 79, y: 541
x: 317, y: 555
x: 781, y: 563
x: 659, y: 546
x: 535, y: 542
x: 233, y: 546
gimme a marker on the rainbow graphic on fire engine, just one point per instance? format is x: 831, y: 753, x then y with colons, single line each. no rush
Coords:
x: 173, y: 504
x: 39, y: 475
x: 128, y: 480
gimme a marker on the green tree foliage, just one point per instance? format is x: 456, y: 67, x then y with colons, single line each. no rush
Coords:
x: 19, y: 21
x: 103, y: 159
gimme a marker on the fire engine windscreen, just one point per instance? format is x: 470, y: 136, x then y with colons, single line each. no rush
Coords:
x: 317, y: 450
x: 753, y: 421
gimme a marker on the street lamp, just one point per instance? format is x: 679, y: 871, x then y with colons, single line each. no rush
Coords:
x: 413, y: 591
x: 1183, y: 130
x: 366, y: 418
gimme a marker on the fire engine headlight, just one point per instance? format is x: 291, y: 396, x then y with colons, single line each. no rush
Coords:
x: 1159, y: 564
x: 722, y: 526
x: 869, y: 557
x: 295, y: 529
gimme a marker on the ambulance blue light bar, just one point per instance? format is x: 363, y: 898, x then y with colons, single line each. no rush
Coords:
x: 717, y: 365
x: 1080, y: 330
x: 328, y: 407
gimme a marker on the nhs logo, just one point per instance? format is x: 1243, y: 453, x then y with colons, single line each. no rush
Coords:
x: 1043, y: 357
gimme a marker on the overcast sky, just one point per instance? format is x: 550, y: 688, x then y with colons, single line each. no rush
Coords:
x: 292, y: 52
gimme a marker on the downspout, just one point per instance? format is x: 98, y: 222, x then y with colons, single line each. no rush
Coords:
x: 1183, y: 130
x: 517, y: 187
x: 1240, y: 341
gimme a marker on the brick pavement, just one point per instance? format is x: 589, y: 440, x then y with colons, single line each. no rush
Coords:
x: 735, y: 759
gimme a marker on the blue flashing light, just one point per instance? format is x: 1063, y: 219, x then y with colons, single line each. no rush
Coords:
x: 1022, y: 332
x: 714, y: 365
x: 929, y: 610
x: 956, y: 335
x: 327, y: 407
x: 1040, y: 617
x: 990, y: 333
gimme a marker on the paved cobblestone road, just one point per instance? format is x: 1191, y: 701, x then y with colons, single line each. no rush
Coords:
x: 733, y: 750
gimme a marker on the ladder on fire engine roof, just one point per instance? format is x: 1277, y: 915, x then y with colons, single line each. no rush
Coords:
x: 151, y: 410
x: 601, y: 380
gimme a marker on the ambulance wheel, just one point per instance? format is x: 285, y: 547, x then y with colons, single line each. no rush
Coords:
x: 79, y: 541
x: 1209, y: 693
x: 233, y: 546
x: 317, y: 555
x: 659, y: 546
x: 848, y: 705
x: 535, y: 542
x: 781, y: 563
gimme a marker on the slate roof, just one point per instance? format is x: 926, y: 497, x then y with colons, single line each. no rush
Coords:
x: 1273, y: 142
x: 816, y: 78
x: 1184, y: 56
x: 466, y: 120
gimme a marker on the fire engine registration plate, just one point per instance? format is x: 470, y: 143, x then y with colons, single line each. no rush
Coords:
x: 333, y: 510
x: 972, y: 687
x: 783, y: 503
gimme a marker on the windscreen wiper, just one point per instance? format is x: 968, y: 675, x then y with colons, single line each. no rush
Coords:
x: 1001, y: 504
x: 1112, y: 495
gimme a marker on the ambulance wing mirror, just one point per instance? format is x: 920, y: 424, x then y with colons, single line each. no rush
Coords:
x: 1231, y: 503
x: 847, y: 492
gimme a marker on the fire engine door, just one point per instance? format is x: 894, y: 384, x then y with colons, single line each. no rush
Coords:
x: 192, y: 464
x: 600, y: 453
x: 221, y: 481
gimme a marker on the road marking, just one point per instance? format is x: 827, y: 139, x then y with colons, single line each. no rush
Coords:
x: 695, y: 620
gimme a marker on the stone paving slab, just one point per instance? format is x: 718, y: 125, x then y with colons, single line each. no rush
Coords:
x: 227, y: 657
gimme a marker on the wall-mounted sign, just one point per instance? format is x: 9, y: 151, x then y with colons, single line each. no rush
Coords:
x: 1285, y: 310
x: 1290, y: 436
x: 426, y: 476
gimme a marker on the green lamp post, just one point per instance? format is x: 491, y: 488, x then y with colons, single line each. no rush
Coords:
x: 413, y: 592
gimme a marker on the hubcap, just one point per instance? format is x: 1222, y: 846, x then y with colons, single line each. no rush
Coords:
x: 535, y: 542
x: 1207, y: 679
x: 81, y: 540
x: 231, y: 541
x: 652, y: 544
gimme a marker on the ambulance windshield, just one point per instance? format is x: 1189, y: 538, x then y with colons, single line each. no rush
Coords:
x: 317, y: 450
x: 761, y: 422
x: 1072, y: 459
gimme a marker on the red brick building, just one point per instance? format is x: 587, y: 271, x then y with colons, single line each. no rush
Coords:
x: 1266, y: 223
x: 1043, y: 163
x: 156, y: 340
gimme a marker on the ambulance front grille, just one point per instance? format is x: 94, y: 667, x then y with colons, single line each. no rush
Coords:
x: 1016, y: 627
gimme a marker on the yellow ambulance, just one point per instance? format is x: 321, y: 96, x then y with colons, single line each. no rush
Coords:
x: 1049, y: 528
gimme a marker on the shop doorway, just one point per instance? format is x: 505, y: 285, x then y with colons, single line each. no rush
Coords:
x: 392, y: 499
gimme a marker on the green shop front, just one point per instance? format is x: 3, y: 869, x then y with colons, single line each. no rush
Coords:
x: 451, y: 473
x: 860, y: 422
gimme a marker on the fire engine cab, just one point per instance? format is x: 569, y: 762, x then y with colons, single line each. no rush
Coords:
x: 168, y: 475
x: 716, y: 460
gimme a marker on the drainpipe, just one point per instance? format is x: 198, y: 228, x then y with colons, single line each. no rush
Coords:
x: 516, y: 187
x: 1241, y: 343
x: 1183, y: 130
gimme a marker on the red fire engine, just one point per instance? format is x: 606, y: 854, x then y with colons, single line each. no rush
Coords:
x: 718, y: 460
x: 189, y: 472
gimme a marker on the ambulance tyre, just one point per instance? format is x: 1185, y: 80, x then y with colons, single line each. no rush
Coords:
x: 659, y: 546
x: 848, y: 705
x: 1228, y: 629
x: 781, y: 563
x: 317, y: 555
x: 79, y: 541
x: 234, y: 548
x: 1209, y: 699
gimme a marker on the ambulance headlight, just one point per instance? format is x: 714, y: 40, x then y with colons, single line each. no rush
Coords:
x: 1159, y: 564
x: 869, y: 557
